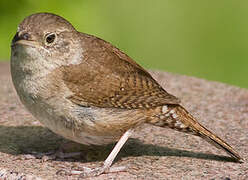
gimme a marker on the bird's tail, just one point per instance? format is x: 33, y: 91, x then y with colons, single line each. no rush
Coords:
x: 178, y: 118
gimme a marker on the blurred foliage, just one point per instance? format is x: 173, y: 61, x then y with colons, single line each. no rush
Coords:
x: 208, y: 39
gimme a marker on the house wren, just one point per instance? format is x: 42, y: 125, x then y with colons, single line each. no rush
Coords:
x: 86, y: 90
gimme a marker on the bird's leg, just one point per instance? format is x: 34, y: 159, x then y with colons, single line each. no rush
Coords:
x: 108, y: 162
x: 68, y: 149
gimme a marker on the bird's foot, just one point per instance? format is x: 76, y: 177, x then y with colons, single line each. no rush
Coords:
x: 88, y: 172
x: 52, y: 155
x: 91, y: 172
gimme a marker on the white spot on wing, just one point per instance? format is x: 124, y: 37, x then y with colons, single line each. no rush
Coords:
x: 174, y: 115
x: 172, y: 111
x: 164, y: 109
x: 180, y: 124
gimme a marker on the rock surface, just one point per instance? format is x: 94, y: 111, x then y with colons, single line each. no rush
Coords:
x: 152, y: 153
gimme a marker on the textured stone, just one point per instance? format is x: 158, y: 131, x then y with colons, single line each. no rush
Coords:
x: 152, y: 153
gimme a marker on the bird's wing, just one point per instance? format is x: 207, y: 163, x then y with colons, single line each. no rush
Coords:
x: 109, y: 78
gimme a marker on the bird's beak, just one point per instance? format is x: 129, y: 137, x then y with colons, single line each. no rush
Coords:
x: 23, y: 39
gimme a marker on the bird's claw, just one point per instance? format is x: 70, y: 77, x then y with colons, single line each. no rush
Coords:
x: 89, y: 172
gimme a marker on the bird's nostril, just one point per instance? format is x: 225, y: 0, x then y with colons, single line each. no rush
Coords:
x: 18, y: 36
x: 25, y: 36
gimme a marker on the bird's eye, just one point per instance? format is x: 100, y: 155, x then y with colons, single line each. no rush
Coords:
x: 50, y: 38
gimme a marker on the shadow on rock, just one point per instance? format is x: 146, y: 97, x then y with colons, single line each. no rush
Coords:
x: 29, y: 139
x: 25, y: 139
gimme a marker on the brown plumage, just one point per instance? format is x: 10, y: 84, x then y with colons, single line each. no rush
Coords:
x: 178, y: 118
x: 111, y: 79
x: 108, y: 78
x: 89, y: 91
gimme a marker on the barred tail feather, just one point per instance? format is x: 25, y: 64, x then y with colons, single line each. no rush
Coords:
x: 178, y: 118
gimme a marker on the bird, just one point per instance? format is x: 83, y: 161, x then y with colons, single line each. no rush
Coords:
x: 88, y: 91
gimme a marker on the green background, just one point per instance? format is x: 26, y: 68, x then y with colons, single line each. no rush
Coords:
x: 207, y: 39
